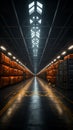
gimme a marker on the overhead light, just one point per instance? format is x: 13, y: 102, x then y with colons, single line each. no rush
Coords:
x: 31, y: 4
x: 70, y: 47
x: 32, y: 35
x: 39, y: 10
x: 3, y: 48
x: 14, y: 57
x: 35, y: 51
x: 17, y: 60
x: 40, y: 21
x: 31, y: 21
x: 37, y: 17
x: 37, y: 35
x: 63, y: 53
x: 58, y: 57
x: 9, y: 53
x: 33, y: 17
x: 33, y: 27
x: 54, y: 60
x: 39, y: 4
x: 31, y: 10
x: 37, y: 27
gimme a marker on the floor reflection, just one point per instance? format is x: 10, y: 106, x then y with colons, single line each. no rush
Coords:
x: 35, y: 117
x: 57, y: 104
x: 14, y: 103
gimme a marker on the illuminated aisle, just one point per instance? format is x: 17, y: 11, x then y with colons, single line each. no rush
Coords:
x: 36, y: 106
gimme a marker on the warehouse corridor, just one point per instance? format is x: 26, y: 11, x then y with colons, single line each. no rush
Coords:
x: 36, y: 64
x: 36, y: 106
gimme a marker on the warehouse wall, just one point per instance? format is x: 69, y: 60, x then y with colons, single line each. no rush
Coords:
x: 11, y: 72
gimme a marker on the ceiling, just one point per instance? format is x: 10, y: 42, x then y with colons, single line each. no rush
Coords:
x: 56, y: 30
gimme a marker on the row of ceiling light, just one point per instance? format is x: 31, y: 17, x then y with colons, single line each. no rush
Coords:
x: 2, y: 48
x: 57, y: 58
x: 62, y: 54
x: 35, y: 11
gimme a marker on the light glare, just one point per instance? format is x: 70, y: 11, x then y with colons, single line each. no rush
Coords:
x: 9, y: 53
x: 39, y: 10
x: 31, y: 10
x: 58, y: 57
x: 31, y: 4
x: 64, y: 52
x: 71, y: 47
x: 3, y: 48
x: 39, y: 4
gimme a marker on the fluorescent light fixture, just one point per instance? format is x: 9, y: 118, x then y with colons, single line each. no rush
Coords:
x: 14, y: 57
x: 3, y: 48
x: 58, y: 57
x: 37, y: 17
x: 63, y: 53
x: 32, y: 35
x: 39, y: 4
x: 38, y: 35
x: 54, y: 60
x: 35, y: 52
x: 71, y: 47
x: 31, y: 10
x: 40, y: 21
x: 39, y: 10
x: 17, y: 60
x: 9, y: 53
x: 37, y: 27
x: 31, y: 21
x: 33, y: 17
x: 31, y: 4
x: 33, y: 27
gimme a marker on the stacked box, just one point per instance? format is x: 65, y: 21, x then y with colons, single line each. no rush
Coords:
x: 10, y: 71
x: 52, y: 71
x: 65, y: 73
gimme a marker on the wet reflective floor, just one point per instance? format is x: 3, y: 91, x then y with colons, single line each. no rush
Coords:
x: 35, y: 105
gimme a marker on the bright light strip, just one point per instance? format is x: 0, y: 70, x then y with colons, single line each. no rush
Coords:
x: 63, y: 53
x: 37, y: 27
x: 17, y: 60
x: 31, y: 10
x: 32, y: 35
x: 40, y: 21
x: 39, y: 4
x: 9, y: 53
x: 35, y: 52
x: 39, y: 10
x: 33, y: 17
x: 37, y: 17
x: 37, y: 35
x: 54, y: 60
x: 14, y: 57
x: 31, y: 21
x: 32, y: 4
x: 71, y: 47
x: 58, y: 57
x: 3, y: 48
x: 33, y: 27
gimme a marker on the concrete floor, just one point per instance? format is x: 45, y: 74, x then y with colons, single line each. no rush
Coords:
x: 34, y: 105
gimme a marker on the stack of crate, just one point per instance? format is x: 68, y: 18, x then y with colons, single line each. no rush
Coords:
x: 65, y: 73
x: 27, y: 75
x: 52, y: 72
x: 10, y: 71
